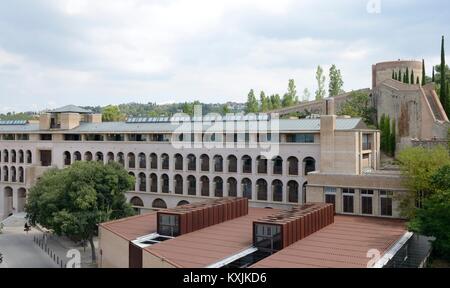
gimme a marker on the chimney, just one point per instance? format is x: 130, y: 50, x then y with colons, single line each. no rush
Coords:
x: 329, y: 106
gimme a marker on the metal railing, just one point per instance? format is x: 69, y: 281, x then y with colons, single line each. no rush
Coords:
x: 41, y: 242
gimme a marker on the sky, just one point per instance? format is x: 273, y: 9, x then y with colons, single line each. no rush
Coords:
x: 84, y: 52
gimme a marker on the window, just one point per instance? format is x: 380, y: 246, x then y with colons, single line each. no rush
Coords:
x: 94, y: 137
x: 9, y: 137
x: 115, y: 137
x: 168, y: 225
x: 330, y: 196
x: 366, y: 201
x: 268, y: 237
x: 300, y: 138
x: 23, y: 137
x: 348, y: 197
x: 46, y: 137
x: 137, y: 137
x: 386, y: 203
x: 366, y: 142
x: 72, y: 137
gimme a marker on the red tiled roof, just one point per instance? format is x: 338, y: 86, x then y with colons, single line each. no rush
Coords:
x: 132, y: 227
x: 342, y: 244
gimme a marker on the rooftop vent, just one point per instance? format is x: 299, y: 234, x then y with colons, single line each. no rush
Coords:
x: 192, y: 217
x: 278, y: 231
x: 13, y: 122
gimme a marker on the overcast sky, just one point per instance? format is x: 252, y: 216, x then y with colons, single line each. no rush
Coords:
x: 84, y: 52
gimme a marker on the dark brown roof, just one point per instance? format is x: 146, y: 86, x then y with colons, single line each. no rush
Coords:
x: 212, y: 244
x: 342, y: 244
x: 133, y: 227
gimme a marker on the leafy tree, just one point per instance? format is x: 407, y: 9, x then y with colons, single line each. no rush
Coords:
x: 264, y: 102
x: 418, y: 165
x: 252, y: 103
x: 275, y: 101
x: 225, y: 109
x: 306, y: 95
x: 112, y: 114
x: 433, y: 219
x: 357, y: 104
x: 320, y: 93
x: 189, y: 108
x: 73, y: 201
x: 336, y: 82
x: 290, y: 98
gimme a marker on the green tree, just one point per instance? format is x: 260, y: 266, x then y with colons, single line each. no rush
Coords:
x: 73, y: 201
x: 189, y: 108
x: 433, y: 219
x: 396, y: 76
x: 423, y: 73
x: 418, y: 165
x: 412, y: 77
x: 387, y: 129
x: 336, y: 82
x: 432, y: 76
x: 112, y: 114
x: 275, y: 101
x: 443, y: 87
x: 320, y: 92
x: 252, y: 103
x: 400, y: 76
x: 357, y: 104
x: 392, y: 139
x: 406, y: 76
x: 306, y: 95
x: 290, y: 98
x: 264, y: 102
x: 225, y: 109
x: 383, y: 133
x: 393, y: 74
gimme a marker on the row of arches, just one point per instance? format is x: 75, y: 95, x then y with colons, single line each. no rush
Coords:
x: 190, y: 164
x: 217, y: 187
x: 8, y: 203
x: 13, y: 156
x: 12, y: 174
x: 157, y: 203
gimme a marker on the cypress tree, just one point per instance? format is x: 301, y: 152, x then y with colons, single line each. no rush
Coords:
x: 412, y: 77
x: 400, y: 75
x: 444, y: 97
x: 393, y: 74
x: 423, y: 73
x: 407, y: 76
x: 418, y: 80
x: 392, y: 139
x: 381, y: 127
x: 396, y: 76
x: 387, y: 134
x: 432, y: 76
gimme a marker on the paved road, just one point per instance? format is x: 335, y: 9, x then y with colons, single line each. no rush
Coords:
x: 19, y: 251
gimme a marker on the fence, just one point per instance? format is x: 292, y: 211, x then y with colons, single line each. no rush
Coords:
x: 42, y: 243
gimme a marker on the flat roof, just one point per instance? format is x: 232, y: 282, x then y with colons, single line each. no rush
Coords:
x: 212, y: 244
x: 343, y: 244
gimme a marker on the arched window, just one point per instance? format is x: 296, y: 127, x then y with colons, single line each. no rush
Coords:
x: 204, y: 186
x: 178, y: 181
x: 277, y: 190
x: 261, y: 185
x: 218, y: 187
x: 164, y: 183
x: 232, y: 187
x: 136, y: 201
x: 142, y: 182
x: 183, y: 202
x: 153, y: 183
x: 218, y: 163
x: 29, y: 157
x: 304, y: 192
x: 88, y: 156
x: 192, y: 185
x: 292, y: 191
x: 159, y: 203
x: 204, y: 163
x: 5, y: 156
x: 21, y: 156
x: 262, y: 165
x: 13, y: 156
x: 121, y: 159
x: 142, y: 161
x: 131, y: 161
x: 13, y: 174
x: 232, y: 164
x: 153, y: 161
x: 178, y: 162
x: 67, y: 158
x: 293, y: 166
x: 192, y: 165
x: 21, y: 175
x: 247, y: 188
x: 309, y: 165
x: 5, y: 174
x: 99, y: 157
x: 277, y: 165
x: 165, y: 161
x: 110, y: 157
x: 77, y: 156
x: 246, y: 164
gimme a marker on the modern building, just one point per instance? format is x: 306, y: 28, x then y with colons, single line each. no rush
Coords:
x: 267, y: 160
x: 227, y: 233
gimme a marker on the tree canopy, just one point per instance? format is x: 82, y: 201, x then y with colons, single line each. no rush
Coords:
x: 112, y: 114
x: 357, y: 105
x: 73, y: 201
x: 336, y: 82
x: 320, y: 78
